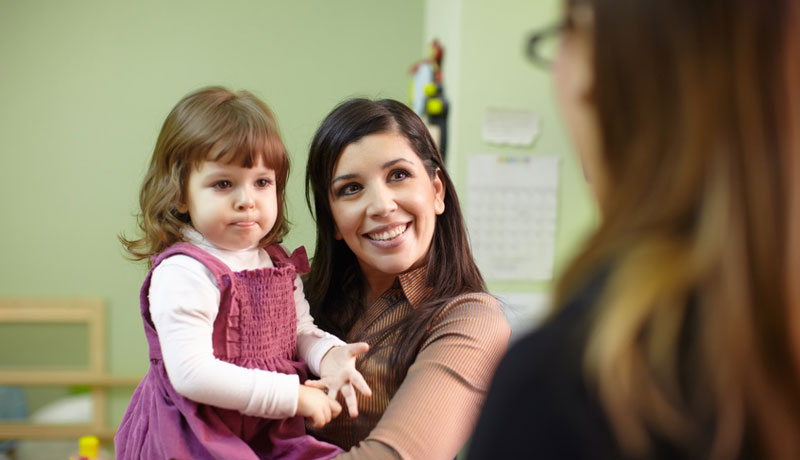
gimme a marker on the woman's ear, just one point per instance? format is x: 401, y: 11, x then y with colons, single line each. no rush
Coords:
x: 574, y: 63
x: 583, y: 49
x: 575, y: 88
x: 438, y: 192
x: 336, y: 233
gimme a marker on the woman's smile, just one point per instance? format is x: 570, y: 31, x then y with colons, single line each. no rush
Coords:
x: 387, y: 233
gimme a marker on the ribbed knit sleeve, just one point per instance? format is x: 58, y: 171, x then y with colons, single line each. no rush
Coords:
x: 435, y: 408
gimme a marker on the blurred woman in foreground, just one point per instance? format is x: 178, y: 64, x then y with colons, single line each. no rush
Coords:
x: 674, y: 331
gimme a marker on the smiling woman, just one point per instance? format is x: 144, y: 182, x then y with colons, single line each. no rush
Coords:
x: 393, y: 268
x: 385, y: 205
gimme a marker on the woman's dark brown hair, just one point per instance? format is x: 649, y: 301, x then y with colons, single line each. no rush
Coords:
x: 335, y: 286
x: 692, y: 108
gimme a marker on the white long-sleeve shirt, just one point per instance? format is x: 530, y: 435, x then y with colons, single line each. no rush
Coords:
x: 184, y: 301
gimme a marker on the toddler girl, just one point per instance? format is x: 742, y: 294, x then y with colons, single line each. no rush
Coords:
x: 223, y: 307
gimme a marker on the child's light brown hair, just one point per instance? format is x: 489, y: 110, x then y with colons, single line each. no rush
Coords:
x: 210, y: 124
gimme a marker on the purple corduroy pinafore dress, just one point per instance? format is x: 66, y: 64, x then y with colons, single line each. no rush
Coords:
x: 256, y: 327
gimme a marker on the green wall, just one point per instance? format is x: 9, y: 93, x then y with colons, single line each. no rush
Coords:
x: 85, y: 87
x: 485, y: 66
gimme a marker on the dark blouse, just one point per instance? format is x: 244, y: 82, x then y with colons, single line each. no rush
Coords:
x: 539, y: 405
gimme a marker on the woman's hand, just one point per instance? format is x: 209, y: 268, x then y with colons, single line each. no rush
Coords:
x: 338, y: 374
x: 315, y: 405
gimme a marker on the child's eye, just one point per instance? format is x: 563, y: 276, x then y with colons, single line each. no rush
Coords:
x: 263, y: 183
x: 348, y: 189
x: 223, y: 184
x: 398, y: 175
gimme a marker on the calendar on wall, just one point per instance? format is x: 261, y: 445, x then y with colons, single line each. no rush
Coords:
x: 512, y: 204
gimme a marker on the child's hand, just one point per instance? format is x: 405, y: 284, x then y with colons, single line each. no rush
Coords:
x: 338, y: 373
x: 315, y: 405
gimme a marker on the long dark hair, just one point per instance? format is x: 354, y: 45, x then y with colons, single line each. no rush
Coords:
x: 335, y: 285
x: 691, y: 105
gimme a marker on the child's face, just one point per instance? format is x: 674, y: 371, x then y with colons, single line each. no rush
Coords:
x: 231, y: 206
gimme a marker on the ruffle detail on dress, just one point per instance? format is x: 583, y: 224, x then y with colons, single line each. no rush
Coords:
x: 299, y: 258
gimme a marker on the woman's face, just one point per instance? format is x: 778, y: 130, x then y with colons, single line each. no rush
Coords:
x: 574, y: 77
x: 384, y: 204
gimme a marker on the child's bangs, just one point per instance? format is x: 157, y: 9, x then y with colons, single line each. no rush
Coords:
x: 245, y: 145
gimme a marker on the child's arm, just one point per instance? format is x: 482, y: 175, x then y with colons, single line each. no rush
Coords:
x: 327, y: 356
x: 312, y: 342
x: 184, y: 302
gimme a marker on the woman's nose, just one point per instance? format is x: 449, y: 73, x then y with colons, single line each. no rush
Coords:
x: 244, y: 199
x: 381, y: 201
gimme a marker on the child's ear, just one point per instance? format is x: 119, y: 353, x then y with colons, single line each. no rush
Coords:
x: 183, y: 206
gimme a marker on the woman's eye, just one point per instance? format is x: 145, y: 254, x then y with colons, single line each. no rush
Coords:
x: 398, y: 175
x: 223, y: 184
x: 263, y: 183
x: 349, y: 189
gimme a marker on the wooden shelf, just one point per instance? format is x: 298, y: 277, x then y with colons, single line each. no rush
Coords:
x: 48, y: 431
x: 64, y: 378
x: 60, y: 311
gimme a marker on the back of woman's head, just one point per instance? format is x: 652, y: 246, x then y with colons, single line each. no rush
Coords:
x: 691, y: 103
x: 335, y: 275
x: 210, y: 124
x: 681, y: 87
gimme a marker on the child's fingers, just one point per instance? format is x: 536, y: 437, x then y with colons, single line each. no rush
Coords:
x: 317, y: 419
x: 331, y: 390
x: 357, y: 380
x: 357, y: 348
x: 318, y: 384
x: 335, y: 408
x: 349, y: 395
x: 322, y: 416
x: 314, y: 383
x: 326, y: 413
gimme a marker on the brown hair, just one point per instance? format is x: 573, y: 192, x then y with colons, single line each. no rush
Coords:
x: 210, y: 124
x: 335, y: 286
x: 691, y: 102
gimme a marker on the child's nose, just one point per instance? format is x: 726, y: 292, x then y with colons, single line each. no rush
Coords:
x: 244, y: 199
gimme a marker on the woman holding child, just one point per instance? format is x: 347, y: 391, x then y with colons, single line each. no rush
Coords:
x: 393, y: 268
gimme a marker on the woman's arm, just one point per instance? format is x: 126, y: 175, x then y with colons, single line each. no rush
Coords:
x: 184, y: 302
x: 435, y: 409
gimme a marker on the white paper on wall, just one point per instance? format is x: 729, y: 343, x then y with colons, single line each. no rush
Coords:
x: 511, y: 215
x: 512, y: 127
